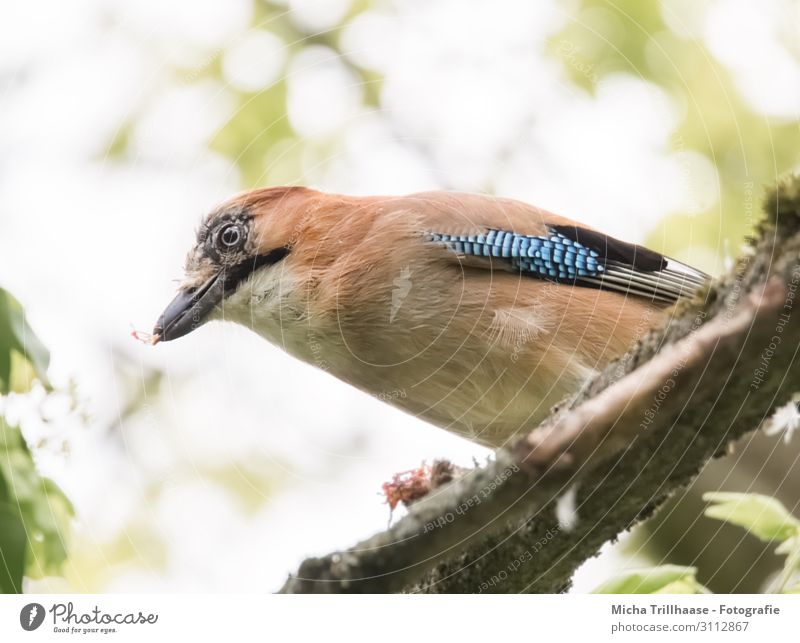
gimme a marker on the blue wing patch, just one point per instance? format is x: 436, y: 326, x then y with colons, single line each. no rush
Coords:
x: 550, y: 257
x: 583, y: 258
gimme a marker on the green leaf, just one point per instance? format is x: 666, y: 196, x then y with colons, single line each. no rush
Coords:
x: 788, y: 545
x: 40, y: 505
x: 22, y: 354
x: 662, y: 579
x: 29, y: 343
x: 791, y: 549
x: 3, y: 488
x: 683, y: 586
x: 22, y: 374
x: 49, y: 523
x: 764, y: 517
x: 12, y: 550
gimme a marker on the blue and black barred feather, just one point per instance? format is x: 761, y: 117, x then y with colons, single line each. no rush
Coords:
x: 554, y: 257
x: 582, y: 257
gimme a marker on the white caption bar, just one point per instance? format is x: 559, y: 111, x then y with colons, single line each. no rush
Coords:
x: 154, y: 618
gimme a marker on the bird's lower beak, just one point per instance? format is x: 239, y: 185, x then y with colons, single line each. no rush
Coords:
x: 189, y: 310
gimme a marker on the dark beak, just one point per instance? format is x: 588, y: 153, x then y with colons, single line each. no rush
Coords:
x: 189, y: 310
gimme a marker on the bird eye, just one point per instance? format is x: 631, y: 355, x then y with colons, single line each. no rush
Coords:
x: 230, y: 236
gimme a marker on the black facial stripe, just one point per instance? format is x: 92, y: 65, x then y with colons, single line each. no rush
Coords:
x: 235, y: 275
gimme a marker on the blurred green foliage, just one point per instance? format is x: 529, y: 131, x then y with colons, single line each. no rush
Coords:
x: 34, y: 512
x: 762, y: 516
x: 664, y: 579
x: 748, y: 149
x: 768, y: 520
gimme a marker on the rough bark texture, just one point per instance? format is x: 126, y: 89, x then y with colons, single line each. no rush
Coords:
x: 643, y: 429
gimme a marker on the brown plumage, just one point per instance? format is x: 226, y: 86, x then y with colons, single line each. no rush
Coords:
x: 357, y: 286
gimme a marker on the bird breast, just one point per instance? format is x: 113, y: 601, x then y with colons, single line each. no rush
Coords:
x: 482, y: 356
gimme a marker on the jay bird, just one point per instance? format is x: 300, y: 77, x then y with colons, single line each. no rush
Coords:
x: 472, y: 312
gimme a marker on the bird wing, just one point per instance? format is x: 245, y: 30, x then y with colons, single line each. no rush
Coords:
x: 500, y: 233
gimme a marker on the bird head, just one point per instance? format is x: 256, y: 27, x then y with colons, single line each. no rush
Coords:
x: 236, y: 242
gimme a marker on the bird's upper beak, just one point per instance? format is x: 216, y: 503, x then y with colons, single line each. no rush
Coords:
x: 189, y: 310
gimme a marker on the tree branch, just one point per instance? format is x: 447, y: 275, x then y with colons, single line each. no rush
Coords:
x: 644, y: 428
